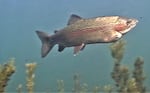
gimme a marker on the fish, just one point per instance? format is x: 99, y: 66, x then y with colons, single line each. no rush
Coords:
x: 82, y: 31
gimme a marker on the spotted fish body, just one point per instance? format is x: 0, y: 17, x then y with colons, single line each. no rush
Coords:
x: 80, y: 32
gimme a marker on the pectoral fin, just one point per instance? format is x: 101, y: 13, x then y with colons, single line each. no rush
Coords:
x: 77, y: 49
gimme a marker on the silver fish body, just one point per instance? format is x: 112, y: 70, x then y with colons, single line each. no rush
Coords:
x: 80, y: 32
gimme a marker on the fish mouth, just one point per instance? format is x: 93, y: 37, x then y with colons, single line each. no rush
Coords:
x: 131, y: 23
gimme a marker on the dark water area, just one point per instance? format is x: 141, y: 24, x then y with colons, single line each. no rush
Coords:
x: 19, y: 19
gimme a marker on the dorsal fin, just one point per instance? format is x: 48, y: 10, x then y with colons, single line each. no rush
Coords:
x: 73, y: 18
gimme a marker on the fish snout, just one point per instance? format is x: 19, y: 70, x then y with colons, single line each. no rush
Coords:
x: 124, y: 25
x: 132, y: 22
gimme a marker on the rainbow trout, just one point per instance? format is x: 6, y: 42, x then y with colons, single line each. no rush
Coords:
x: 80, y: 31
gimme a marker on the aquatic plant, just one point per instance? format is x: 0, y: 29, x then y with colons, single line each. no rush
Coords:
x: 6, y: 71
x: 30, y: 76
x: 77, y: 86
x: 96, y: 89
x: 19, y: 88
x: 125, y: 81
x: 121, y: 74
x: 60, y: 86
x: 138, y: 75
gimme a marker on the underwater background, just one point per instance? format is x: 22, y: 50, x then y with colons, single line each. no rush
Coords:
x: 19, y: 19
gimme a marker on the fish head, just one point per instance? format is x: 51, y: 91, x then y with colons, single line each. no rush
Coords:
x: 124, y: 25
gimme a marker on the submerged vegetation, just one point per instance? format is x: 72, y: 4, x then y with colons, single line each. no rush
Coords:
x: 6, y: 72
x: 125, y: 81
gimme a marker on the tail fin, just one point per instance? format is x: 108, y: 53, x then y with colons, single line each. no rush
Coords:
x: 46, y: 44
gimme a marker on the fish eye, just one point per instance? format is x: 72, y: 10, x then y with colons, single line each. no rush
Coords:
x: 129, y: 21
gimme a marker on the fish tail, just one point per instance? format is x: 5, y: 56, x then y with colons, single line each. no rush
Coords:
x: 47, y: 45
